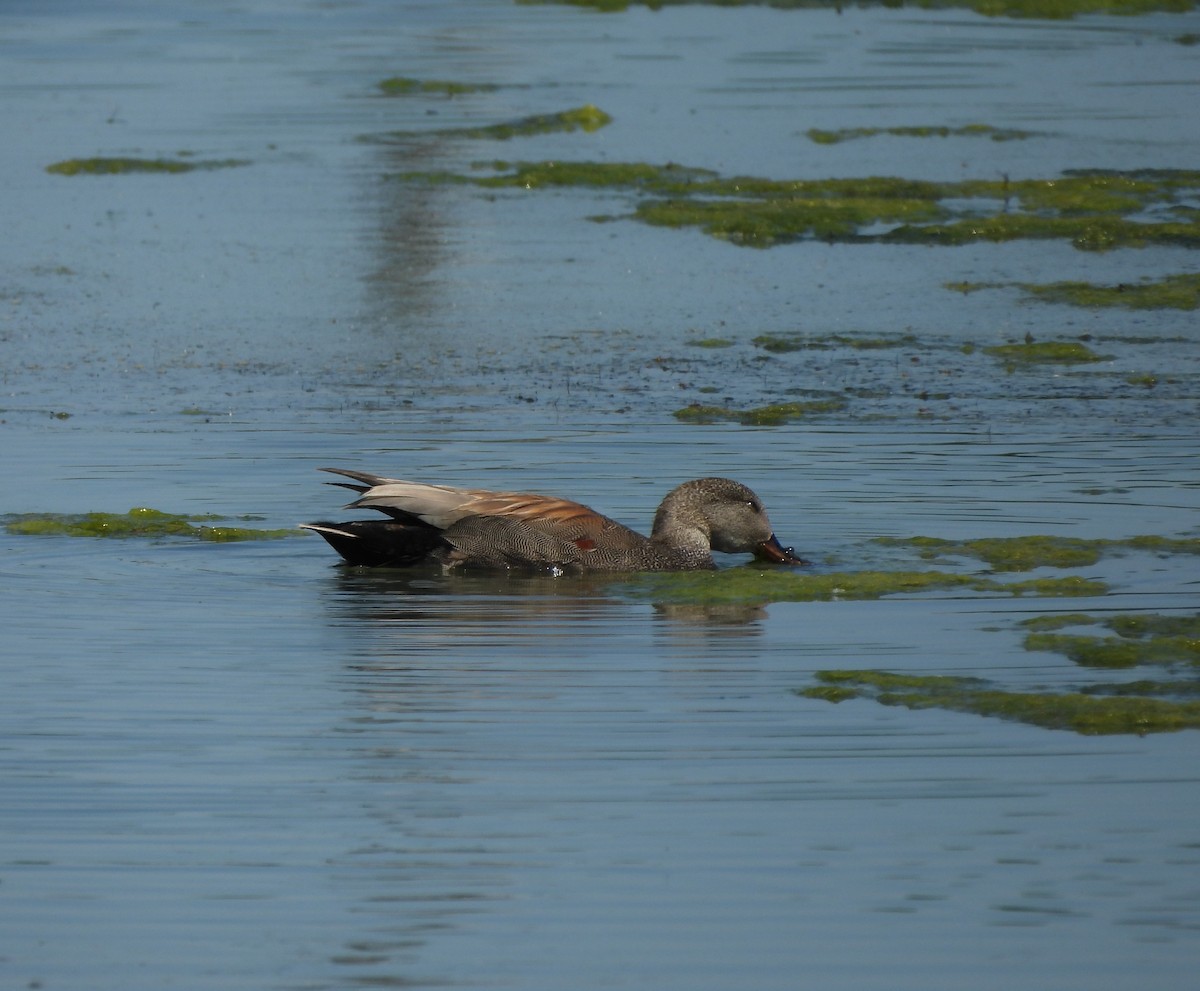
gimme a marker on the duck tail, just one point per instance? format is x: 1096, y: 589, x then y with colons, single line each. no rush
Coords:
x: 379, y: 543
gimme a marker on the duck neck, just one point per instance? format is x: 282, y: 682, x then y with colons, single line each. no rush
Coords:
x: 682, y: 534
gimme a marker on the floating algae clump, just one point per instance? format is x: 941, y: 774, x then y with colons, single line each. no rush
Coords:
x: 1085, y: 232
x: 754, y: 585
x: 1045, y: 353
x: 586, y: 118
x: 1038, y: 550
x: 1076, y: 711
x: 1067, y: 9
x: 1140, y: 639
x: 1110, y: 652
x: 766, y: 222
x: 640, y: 176
x: 1178, y: 292
x: 710, y: 342
x: 1093, y: 210
x: 1145, y: 706
x: 138, y: 522
x: 783, y: 343
x: 1142, y: 625
x: 123, y: 166
x: 1064, y: 586
x: 968, y: 131
x: 770, y: 415
x: 1007, y: 553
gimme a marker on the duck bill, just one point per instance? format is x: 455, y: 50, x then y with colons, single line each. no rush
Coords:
x: 773, y: 550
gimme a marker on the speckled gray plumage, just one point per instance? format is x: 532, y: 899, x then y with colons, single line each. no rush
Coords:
x: 482, y: 529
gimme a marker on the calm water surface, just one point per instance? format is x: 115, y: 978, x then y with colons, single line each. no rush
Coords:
x: 239, y: 766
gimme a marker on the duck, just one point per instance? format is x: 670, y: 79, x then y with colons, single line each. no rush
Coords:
x: 479, y: 528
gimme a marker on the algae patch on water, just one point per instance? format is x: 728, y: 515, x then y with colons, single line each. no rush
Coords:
x: 967, y: 131
x: 783, y: 343
x: 587, y: 118
x: 126, y: 166
x: 138, y: 522
x: 1110, y: 652
x: 1176, y: 292
x: 1179, y: 292
x: 754, y: 585
x: 1093, y: 210
x: 1045, y: 353
x: 712, y: 343
x: 633, y: 176
x: 1145, y: 706
x: 1137, y: 639
x: 767, y: 221
x: 1039, y: 550
x: 1081, y: 712
x: 1006, y: 553
x: 771, y: 415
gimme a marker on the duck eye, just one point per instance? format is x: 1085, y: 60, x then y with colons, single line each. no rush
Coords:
x: 754, y: 506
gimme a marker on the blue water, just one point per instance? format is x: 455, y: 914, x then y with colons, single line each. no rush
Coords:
x: 239, y: 766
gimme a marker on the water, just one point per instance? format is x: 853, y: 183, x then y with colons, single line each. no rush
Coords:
x: 238, y: 766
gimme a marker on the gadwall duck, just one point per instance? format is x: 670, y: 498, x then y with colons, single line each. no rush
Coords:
x: 478, y: 528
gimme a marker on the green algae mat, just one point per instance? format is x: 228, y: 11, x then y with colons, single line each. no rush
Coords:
x: 1180, y: 291
x: 139, y: 522
x: 1039, y: 550
x: 755, y: 585
x: 1092, y: 209
x: 1125, y: 641
x: 131, y: 166
x: 1150, y: 705
x: 587, y: 118
x: 1088, y: 712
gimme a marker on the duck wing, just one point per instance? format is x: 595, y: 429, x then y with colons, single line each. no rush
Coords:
x: 484, y: 526
x: 441, y: 506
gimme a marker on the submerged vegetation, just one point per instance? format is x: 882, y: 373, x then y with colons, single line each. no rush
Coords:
x: 1093, y: 210
x: 125, y: 166
x: 138, y: 522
